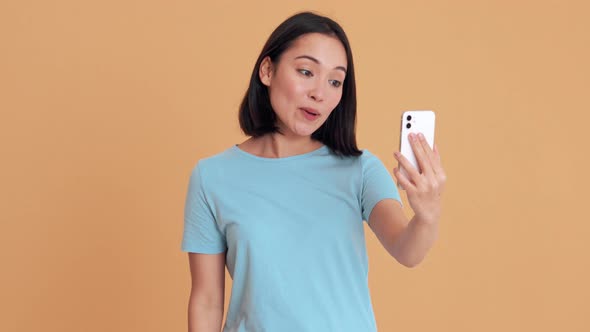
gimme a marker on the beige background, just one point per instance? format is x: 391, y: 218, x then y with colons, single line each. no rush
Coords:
x: 107, y: 105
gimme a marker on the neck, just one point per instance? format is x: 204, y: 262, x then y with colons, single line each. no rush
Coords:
x: 279, y: 146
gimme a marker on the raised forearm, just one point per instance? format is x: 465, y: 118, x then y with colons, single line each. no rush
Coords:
x: 415, y: 241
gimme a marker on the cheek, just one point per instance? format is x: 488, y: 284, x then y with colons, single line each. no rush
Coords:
x: 285, y: 93
x: 335, y: 99
x: 293, y: 89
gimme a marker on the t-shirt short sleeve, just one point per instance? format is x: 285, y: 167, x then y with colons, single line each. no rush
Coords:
x: 201, y: 232
x: 377, y: 184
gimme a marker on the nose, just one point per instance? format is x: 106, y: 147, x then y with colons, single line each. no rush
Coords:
x: 316, y: 92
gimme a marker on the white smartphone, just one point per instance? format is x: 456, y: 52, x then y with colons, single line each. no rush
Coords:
x: 419, y: 121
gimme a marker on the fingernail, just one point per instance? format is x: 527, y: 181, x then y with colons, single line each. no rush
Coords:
x: 412, y: 137
x: 421, y: 136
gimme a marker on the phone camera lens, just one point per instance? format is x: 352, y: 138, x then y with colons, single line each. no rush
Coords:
x: 409, y: 117
x: 409, y: 125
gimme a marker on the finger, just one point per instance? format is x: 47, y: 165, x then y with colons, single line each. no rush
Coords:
x: 442, y: 176
x: 402, y: 179
x: 431, y: 159
x: 429, y: 170
x: 410, y: 169
x: 437, y: 153
x: 421, y: 157
x: 437, y: 163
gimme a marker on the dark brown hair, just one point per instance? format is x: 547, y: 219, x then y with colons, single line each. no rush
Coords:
x: 256, y: 114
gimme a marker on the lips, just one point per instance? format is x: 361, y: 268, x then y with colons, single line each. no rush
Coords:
x: 310, y: 110
x: 309, y: 115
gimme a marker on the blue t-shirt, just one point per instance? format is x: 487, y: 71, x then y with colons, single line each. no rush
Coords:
x: 292, y: 229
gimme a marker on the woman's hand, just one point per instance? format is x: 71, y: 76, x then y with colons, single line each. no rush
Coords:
x: 423, y: 189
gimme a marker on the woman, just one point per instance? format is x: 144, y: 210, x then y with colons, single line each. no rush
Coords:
x: 284, y: 210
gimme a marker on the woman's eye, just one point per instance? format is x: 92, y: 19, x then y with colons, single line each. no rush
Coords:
x: 335, y: 83
x: 305, y: 72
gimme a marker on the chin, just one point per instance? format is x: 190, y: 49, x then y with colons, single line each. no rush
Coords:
x: 305, y: 131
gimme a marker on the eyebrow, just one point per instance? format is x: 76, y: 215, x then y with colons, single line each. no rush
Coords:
x: 318, y: 62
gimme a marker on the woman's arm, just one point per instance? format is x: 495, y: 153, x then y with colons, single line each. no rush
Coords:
x: 406, y: 241
x: 205, y: 308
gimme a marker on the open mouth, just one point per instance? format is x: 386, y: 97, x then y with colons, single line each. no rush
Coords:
x: 309, y: 115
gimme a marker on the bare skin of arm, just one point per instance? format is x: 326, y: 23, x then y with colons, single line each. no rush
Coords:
x: 410, y: 241
x: 205, y: 308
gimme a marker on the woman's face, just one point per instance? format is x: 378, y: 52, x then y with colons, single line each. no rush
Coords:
x: 308, y: 77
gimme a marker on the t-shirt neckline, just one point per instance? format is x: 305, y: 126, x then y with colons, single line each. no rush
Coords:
x: 299, y: 156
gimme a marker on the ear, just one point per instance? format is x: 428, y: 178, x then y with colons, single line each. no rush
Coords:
x: 265, y: 71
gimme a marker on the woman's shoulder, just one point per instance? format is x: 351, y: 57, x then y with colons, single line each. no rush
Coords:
x: 215, y: 160
x: 366, y: 154
x: 369, y: 159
